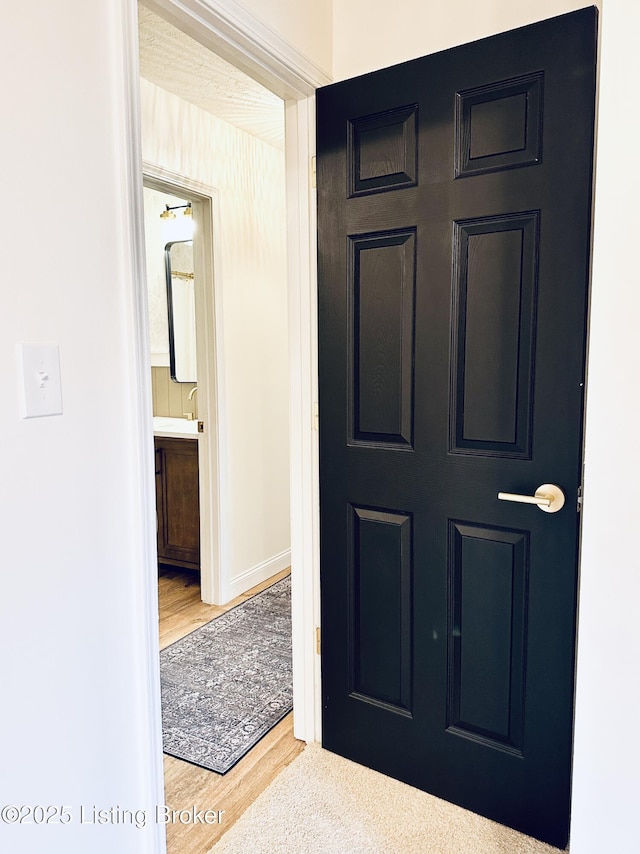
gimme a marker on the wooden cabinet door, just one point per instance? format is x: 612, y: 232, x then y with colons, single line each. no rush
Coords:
x: 177, y: 502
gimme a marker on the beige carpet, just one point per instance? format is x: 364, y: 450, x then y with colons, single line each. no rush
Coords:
x: 324, y: 804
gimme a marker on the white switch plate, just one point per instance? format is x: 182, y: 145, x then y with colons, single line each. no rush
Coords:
x: 42, y: 391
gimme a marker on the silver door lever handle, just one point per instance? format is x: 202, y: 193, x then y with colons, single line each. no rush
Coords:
x: 548, y: 497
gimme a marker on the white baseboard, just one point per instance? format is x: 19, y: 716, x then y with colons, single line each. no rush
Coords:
x: 256, y: 574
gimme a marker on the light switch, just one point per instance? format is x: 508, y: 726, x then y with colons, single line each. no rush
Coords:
x: 42, y: 390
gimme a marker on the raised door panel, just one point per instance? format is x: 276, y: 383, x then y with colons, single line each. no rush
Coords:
x: 488, y: 595
x: 499, y: 126
x: 380, y: 578
x: 495, y: 277
x: 381, y: 362
x: 383, y: 151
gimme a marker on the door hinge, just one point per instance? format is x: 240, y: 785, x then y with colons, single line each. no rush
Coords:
x: 314, y: 178
x: 579, y: 507
x: 316, y: 416
x: 318, y: 640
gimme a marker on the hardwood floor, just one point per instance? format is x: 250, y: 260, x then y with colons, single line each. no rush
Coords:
x: 188, y: 786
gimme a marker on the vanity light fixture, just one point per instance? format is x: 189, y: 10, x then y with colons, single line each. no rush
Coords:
x: 169, y: 212
x: 174, y: 227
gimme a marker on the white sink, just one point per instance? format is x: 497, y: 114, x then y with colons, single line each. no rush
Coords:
x: 174, y: 428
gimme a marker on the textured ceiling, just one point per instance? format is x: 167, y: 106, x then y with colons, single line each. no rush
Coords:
x: 182, y: 66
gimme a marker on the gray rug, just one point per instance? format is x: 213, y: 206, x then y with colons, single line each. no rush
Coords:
x: 229, y: 682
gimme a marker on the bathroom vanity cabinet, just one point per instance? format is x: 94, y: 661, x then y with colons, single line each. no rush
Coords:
x: 177, y: 502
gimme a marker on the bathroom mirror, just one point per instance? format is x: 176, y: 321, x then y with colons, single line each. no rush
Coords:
x: 178, y: 257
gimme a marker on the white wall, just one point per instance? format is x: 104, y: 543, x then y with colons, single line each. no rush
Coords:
x: 607, y: 739
x: 372, y: 34
x: 607, y: 743
x: 251, y: 308
x: 74, y: 714
x: 304, y: 25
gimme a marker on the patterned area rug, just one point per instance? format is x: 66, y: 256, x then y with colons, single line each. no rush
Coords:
x: 229, y: 682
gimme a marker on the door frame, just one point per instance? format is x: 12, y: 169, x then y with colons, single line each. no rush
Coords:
x: 245, y: 42
x: 212, y: 479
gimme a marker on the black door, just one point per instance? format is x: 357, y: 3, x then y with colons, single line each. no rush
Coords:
x: 454, y: 197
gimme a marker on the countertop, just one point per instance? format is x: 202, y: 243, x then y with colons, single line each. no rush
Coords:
x: 174, y: 428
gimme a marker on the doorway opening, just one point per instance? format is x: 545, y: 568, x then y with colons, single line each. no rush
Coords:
x: 242, y: 380
x: 180, y: 282
x: 249, y: 45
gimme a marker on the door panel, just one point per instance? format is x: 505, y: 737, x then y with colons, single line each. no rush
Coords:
x: 454, y: 197
x: 381, y: 300
x: 488, y: 614
x: 380, y: 631
x: 494, y: 302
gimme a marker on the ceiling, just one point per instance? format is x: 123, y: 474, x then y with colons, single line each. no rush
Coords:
x: 175, y: 62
